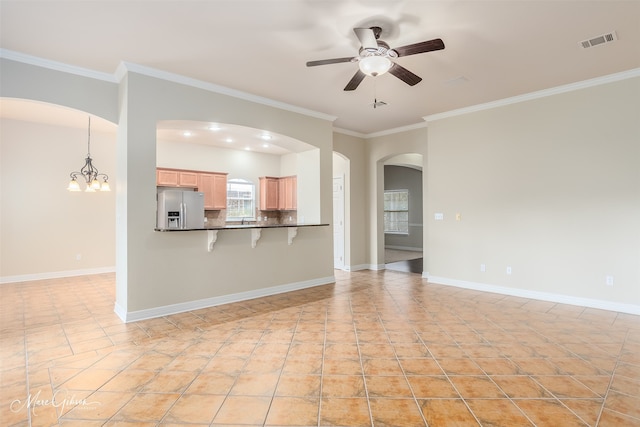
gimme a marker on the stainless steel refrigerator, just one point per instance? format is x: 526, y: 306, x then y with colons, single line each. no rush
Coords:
x: 179, y: 209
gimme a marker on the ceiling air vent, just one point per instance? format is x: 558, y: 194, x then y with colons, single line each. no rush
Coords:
x: 603, y: 39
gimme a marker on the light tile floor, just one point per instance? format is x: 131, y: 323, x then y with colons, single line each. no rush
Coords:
x: 377, y: 348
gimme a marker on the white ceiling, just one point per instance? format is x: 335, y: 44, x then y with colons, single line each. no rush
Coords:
x: 494, y: 49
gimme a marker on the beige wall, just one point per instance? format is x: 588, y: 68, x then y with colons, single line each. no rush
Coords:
x: 549, y: 187
x: 356, y: 213
x: 380, y: 149
x: 161, y: 269
x: 160, y: 272
x: 44, y: 227
x: 239, y: 164
x: 98, y: 96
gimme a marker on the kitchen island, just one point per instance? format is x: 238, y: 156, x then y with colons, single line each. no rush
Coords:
x: 256, y: 231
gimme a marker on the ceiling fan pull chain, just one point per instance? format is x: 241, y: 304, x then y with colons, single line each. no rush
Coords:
x: 375, y: 93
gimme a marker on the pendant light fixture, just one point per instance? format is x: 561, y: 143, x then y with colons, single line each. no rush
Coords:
x: 89, y: 172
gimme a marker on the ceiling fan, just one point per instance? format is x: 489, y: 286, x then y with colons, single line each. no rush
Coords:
x: 375, y: 57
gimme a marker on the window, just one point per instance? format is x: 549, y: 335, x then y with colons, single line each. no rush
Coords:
x: 396, y: 211
x: 240, y: 200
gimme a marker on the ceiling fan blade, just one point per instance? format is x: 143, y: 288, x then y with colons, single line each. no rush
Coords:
x: 367, y: 38
x: 422, y: 47
x: 405, y: 75
x: 329, y: 61
x: 355, y: 80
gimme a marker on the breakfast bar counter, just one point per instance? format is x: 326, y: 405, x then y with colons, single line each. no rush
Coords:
x: 256, y: 230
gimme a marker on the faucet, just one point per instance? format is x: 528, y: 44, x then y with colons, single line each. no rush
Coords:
x: 242, y: 223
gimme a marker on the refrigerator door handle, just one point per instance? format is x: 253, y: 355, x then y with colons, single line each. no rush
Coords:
x: 184, y: 223
x: 182, y: 215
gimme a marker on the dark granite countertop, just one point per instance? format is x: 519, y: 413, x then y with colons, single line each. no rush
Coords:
x: 241, y: 226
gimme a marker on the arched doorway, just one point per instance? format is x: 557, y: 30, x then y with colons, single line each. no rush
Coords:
x: 340, y: 207
x: 403, y: 213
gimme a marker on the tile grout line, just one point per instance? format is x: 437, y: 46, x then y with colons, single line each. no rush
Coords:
x: 364, y: 380
x: 438, y: 363
x: 509, y: 398
x: 275, y: 389
x: 565, y: 373
x: 613, y: 373
x: 404, y: 374
x: 324, y: 349
x: 368, y: 289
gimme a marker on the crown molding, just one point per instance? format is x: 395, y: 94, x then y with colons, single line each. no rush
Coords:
x: 397, y: 130
x: 382, y: 132
x: 125, y: 67
x: 635, y: 72
x: 537, y: 95
x: 128, y: 67
x: 350, y: 132
x: 57, y: 66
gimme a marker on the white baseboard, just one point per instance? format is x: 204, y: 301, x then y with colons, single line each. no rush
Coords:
x: 404, y: 248
x: 56, y: 275
x: 543, y: 296
x: 376, y: 267
x: 358, y: 267
x: 167, y: 310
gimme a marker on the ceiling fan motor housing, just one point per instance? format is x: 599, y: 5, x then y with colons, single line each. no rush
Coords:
x: 382, y: 50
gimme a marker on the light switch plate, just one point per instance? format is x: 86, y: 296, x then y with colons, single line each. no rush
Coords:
x: 439, y: 216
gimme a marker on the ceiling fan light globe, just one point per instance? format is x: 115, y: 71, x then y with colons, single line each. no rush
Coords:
x: 375, y: 65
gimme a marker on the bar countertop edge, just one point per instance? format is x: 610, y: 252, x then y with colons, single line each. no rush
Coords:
x: 240, y: 227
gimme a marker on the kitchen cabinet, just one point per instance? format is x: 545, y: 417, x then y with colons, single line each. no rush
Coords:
x: 214, y: 187
x: 288, y: 193
x: 176, y: 178
x: 269, y: 187
x: 212, y: 184
x: 278, y: 194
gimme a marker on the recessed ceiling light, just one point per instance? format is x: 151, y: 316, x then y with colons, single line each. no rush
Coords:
x: 247, y: 148
x: 265, y: 145
x: 266, y: 137
x: 187, y: 133
x: 228, y: 140
x: 214, y: 128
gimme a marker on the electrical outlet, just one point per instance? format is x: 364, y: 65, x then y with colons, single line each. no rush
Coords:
x: 509, y: 270
x: 78, y: 257
x: 609, y: 280
x: 483, y: 268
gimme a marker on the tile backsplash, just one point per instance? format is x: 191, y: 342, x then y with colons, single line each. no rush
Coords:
x: 218, y: 218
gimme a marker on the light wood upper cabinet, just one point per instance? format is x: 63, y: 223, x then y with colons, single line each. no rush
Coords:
x: 212, y: 184
x: 288, y: 193
x: 269, y: 193
x: 166, y: 178
x: 214, y: 187
x: 188, y: 179
x: 278, y: 193
x: 176, y: 178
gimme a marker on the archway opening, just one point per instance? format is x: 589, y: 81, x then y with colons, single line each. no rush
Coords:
x: 403, y: 213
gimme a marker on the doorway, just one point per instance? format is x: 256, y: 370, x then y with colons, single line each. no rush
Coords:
x: 403, y: 215
x: 338, y: 222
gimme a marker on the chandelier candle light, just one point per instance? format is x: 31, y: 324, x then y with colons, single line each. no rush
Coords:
x: 89, y: 172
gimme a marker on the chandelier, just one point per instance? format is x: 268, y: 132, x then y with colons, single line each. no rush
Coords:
x: 89, y: 172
